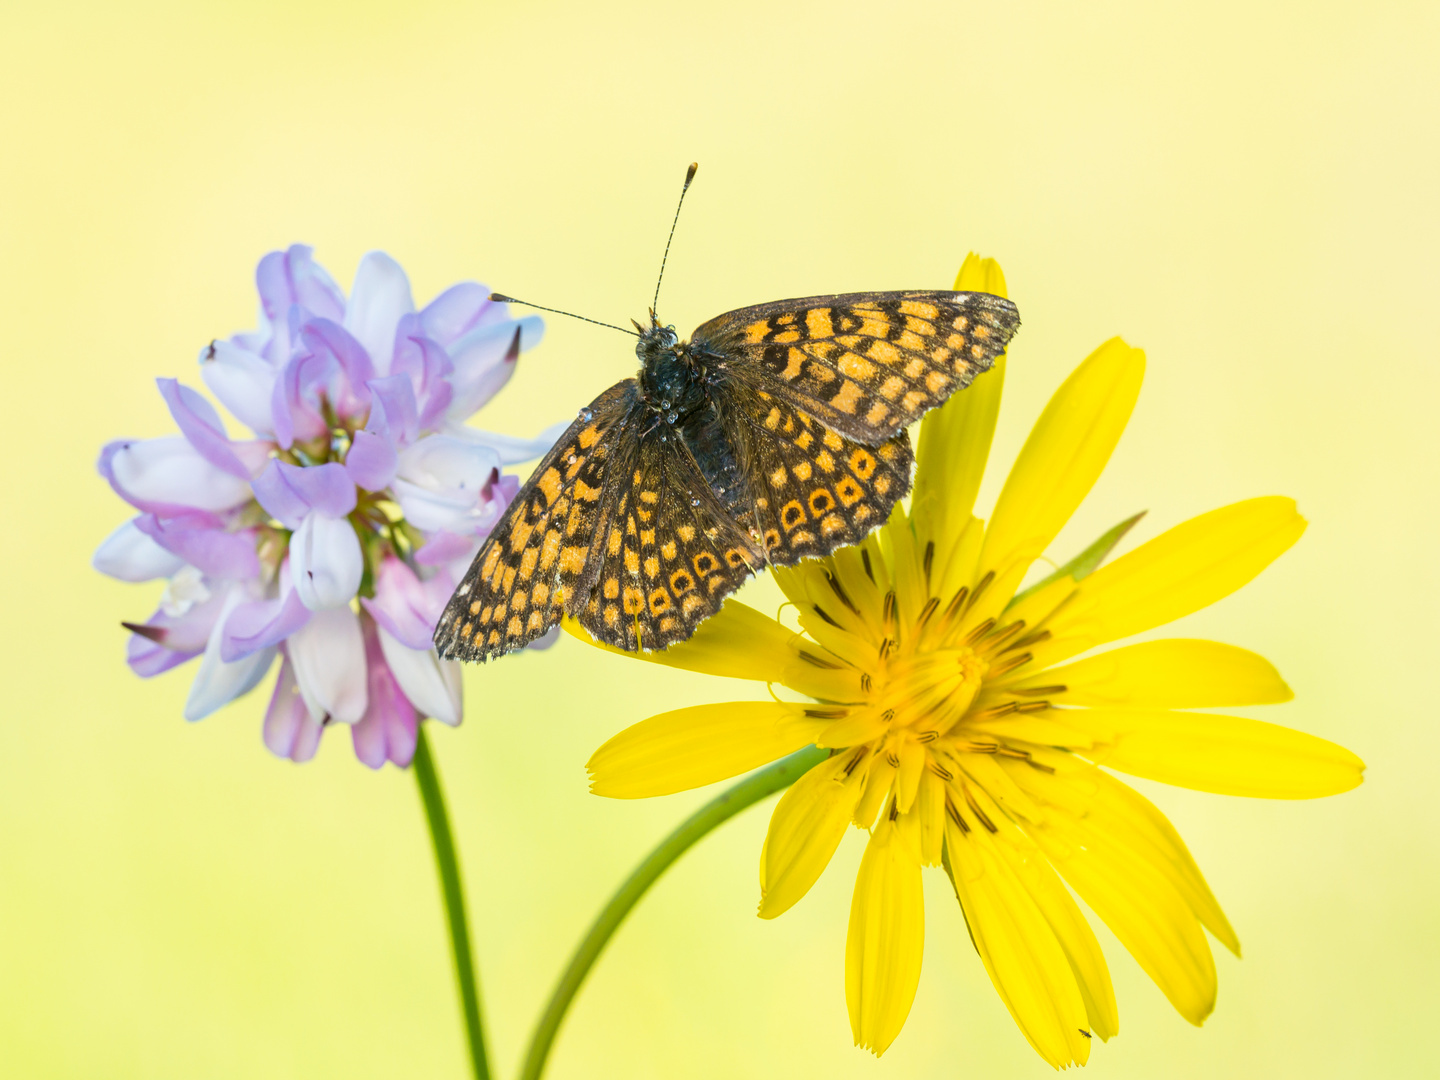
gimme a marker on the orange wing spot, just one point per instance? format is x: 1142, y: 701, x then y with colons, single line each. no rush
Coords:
x: 668, y: 549
x: 527, y: 563
x: 647, y: 537
x: 772, y: 421
x: 611, y: 588
x: 802, y: 470
x: 821, y: 350
x: 572, y: 559
x: 832, y: 524
x: 535, y: 622
x: 818, y: 323
x: 961, y: 323
x: 794, y: 361
x: 736, y: 558
x: 862, y: 513
x: 540, y: 594
x: 892, y: 387
x: 772, y: 539
x: 652, y: 566
x: 847, y: 397
x: 475, y: 608
x: 957, y: 341
x: 792, y: 514
x: 821, y: 502
x: 939, y: 355
x: 936, y: 381
x: 485, y: 615
x: 681, y: 582
x: 911, y: 341
x: 585, y: 492
x: 849, y: 340
x: 849, y: 491
x: 588, y: 436
x: 686, y: 533
x: 778, y: 477
x: 788, y: 319
x: 756, y: 331
x: 883, y: 351
x: 888, y: 453
x: 875, y: 327
x: 705, y: 563
x: 832, y: 439
x: 715, y: 584
x: 508, y: 581
x: 977, y: 352
x: 634, y: 601
x: 919, y: 326
x: 574, y: 521
x: 690, y: 605
x: 862, y: 463
x: 763, y: 503
x: 549, y: 484
x: 613, y: 541
x: 514, y: 628
x: 667, y: 624
x: 519, y: 600
x: 919, y: 308
x: 882, y: 485
x: 915, y: 368
x: 801, y: 538
x: 825, y: 461
x: 632, y: 562
x: 820, y: 375
x: 855, y: 366
x: 561, y: 596
x: 644, y: 515
x: 981, y: 332
x: 491, y: 559
x: 549, y: 549
x: 912, y: 400
x: 804, y: 439
x: 494, y: 638
x: 612, y: 615
x: 789, y: 425
x: 467, y: 630
x: 659, y: 602
x: 520, y: 534
x: 649, y: 497
x: 786, y: 337
x: 877, y: 414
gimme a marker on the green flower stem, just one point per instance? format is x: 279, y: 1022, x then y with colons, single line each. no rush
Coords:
x: 751, y: 790
x: 454, y: 893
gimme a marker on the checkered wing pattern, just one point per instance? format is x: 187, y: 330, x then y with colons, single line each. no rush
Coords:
x: 865, y: 364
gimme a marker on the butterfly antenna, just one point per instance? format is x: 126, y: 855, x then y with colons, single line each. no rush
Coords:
x: 689, y: 175
x: 500, y: 298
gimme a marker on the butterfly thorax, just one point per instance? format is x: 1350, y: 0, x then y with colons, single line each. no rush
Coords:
x: 672, y: 375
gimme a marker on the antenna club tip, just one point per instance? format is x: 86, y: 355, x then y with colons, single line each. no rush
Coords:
x: 501, y: 298
x: 690, y: 172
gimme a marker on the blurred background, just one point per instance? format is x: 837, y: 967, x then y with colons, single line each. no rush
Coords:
x: 1247, y: 191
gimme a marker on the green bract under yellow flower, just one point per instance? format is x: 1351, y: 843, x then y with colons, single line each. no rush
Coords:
x: 965, y: 734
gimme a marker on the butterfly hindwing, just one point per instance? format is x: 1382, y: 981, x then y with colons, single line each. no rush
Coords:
x: 535, y: 561
x: 669, y: 555
x: 867, y: 364
x: 811, y: 488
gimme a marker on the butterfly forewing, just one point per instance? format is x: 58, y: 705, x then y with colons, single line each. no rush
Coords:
x: 536, y: 559
x: 669, y: 553
x: 867, y: 364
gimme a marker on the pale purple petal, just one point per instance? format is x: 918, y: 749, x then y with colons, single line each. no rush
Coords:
x: 148, y: 658
x: 292, y: 277
x: 484, y: 360
x: 445, y: 547
x: 326, y: 562
x: 289, y: 730
x: 388, y: 729
x: 395, y: 412
x: 371, y: 461
x: 290, y: 492
x: 218, y: 683
x: 185, y: 627
x: 406, y: 607
x: 167, y: 476
x: 201, y: 424
x: 443, y: 482
x: 379, y: 297
x: 195, y: 540
x: 459, y: 310
x: 511, y: 449
x: 330, y: 343
x: 328, y: 653
x: 432, y: 685
x: 243, y: 381
x: 258, y: 624
x: 293, y: 411
x: 129, y: 555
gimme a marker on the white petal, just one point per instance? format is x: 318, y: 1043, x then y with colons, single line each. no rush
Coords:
x: 511, y: 449
x: 170, y: 470
x: 130, y: 555
x: 381, y: 295
x: 326, y: 563
x: 441, y: 482
x: 218, y: 683
x: 329, y: 657
x: 432, y: 685
x: 243, y: 381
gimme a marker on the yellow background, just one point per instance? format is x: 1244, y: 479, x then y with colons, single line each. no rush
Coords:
x: 1247, y: 191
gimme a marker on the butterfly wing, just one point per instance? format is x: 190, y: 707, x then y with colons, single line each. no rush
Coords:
x: 537, y: 558
x: 669, y: 553
x: 866, y: 364
x: 811, y: 489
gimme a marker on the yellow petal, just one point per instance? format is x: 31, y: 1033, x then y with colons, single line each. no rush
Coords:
x: 805, y: 830
x: 955, y: 439
x: 689, y: 748
x: 886, y: 941
x: 1228, y: 755
x: 1175, y: 673
x: 1060, y: 462
x: 1015, y: 941
x: 1139, y: 903
x: 737, y: 641
x: 1193, y: 565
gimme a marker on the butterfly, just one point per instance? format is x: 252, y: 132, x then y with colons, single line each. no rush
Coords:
x: 775, y: 433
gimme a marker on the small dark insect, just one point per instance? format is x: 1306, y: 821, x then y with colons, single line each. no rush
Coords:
x: 776, y: 433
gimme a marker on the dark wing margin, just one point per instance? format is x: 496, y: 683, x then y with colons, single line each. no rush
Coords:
x: 866, y: 364
x: 669, y: 552
x: 534, y: 563
x: 812, y: 489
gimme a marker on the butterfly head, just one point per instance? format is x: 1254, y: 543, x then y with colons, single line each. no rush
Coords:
x: 671, y: 381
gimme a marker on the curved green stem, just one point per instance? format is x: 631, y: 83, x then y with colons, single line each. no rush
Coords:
x: 454, y: 893
x: 723, y: 807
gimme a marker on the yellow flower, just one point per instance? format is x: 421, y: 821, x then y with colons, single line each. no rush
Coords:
x: 965, y: 734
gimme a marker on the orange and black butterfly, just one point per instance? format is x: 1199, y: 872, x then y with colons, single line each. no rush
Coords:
x: 776, y: 433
